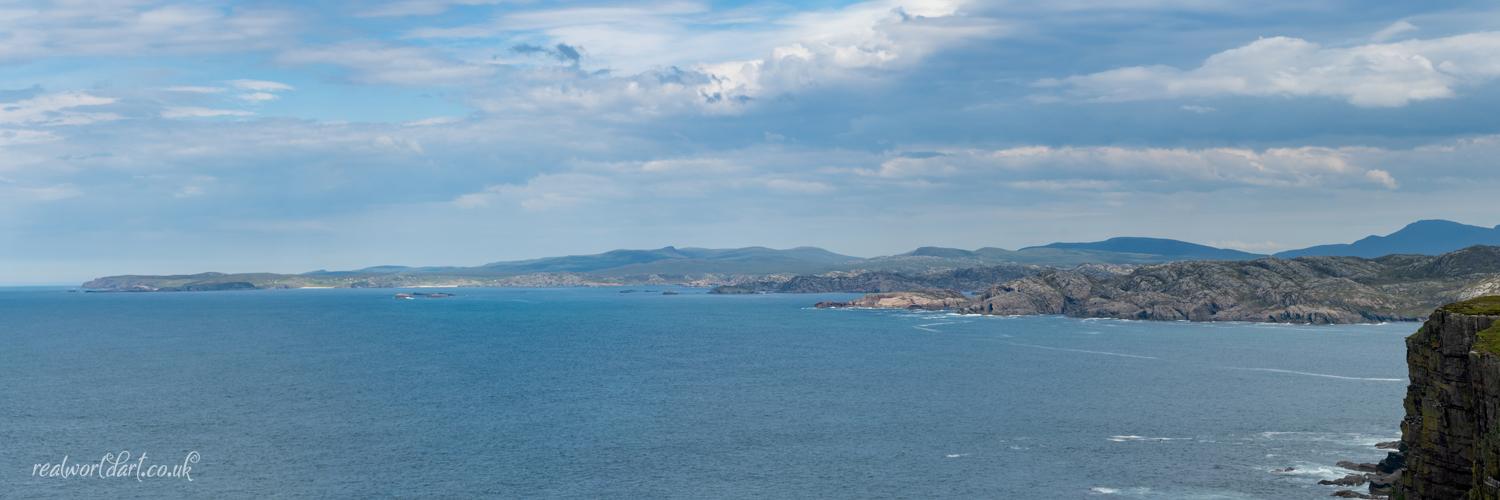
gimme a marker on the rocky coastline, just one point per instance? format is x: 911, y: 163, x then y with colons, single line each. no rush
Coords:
x: 926, y: 300
x: 1305, y: 290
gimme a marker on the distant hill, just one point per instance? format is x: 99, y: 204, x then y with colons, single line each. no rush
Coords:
x: 1041, y: 256
x: 618, y: 258
x: 760, y: 261
x: 1425, y: 237
x: 1177, y: 250
x: 380, y: 270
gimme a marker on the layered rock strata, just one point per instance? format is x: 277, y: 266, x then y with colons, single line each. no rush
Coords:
x: 1452, y: 424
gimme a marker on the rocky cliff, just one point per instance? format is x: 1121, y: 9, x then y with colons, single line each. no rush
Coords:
x: 1452, y: 424
x: 1316, y: 290
x: 927, y: 300
x: 1319, y: 290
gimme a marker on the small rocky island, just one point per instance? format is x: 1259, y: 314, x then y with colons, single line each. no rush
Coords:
x: 1381, y: 477
x: 420, y: 294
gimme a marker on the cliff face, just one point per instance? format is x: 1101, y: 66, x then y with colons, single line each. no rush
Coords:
x: 1452, y: 424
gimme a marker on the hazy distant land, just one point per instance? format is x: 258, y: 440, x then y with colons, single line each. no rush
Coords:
x: 765, y: 267
x: 1128, y: 278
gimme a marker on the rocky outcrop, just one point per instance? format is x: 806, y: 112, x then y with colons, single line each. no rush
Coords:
x: 1380, y: 477
x: 1452, y: 424
x: 973, y: 278
x: 1053, y: 292
x: 927, y: 300
x: 1347, y: 480
x: 1316, y: 290
x: 732, y: 290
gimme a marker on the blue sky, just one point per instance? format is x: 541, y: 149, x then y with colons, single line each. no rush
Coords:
x: 178, y: 137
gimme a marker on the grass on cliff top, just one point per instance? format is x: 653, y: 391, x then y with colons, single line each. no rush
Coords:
x: 1487, y: 306
x: 1488, y: 340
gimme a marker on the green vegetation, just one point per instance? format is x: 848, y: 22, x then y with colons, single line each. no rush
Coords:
x: 1488, y: 340
x: 1482, y: 306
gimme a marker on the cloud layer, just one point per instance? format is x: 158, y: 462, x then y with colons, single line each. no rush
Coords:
x: 282, y: 137
x: 1371, y: 75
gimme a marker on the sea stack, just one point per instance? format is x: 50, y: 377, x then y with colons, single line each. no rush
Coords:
x: 1452, y: 424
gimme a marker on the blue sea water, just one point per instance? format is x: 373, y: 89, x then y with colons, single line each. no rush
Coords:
x: 592, y: 393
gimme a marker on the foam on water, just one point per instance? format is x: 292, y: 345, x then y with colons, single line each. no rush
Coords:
x: 1121, y: 439
x: 1317, y: 374
x: 1081, y: 350
x: 923, y: 327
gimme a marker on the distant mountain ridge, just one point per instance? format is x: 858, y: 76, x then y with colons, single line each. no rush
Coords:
x: 740, y: 265
x: 1158, y: 246
x: 617, y: 258
x: 1424, y: 237
x: 803, y: 260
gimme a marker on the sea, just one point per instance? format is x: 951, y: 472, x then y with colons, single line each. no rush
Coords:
x: 613, y: 393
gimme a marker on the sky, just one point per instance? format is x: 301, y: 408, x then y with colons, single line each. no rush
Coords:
x: 162, y: 137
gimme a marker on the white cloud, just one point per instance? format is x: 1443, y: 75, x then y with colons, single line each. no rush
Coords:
x: 1199, y: 109
x: 200, y: 90
x: 195, y: 111
x: 1372, y: 75
x: 1394, y: 29
x: 18, y: 194
x: 55, y: 109
x: 791, y: 186
x: 689, y: 166
x: 260, y: 85
x: 1382, y: 177
x: 1276, y: 167
x: 1064, y: 185
x: 258, y: 96
x: 548, y: 192
x: 670, y: 68
x: 374, y: 62
x: 397, y: 145
x: 10, y: 137
x: 421, y: 7
x: 433, y: 121
x: 135, y: 29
